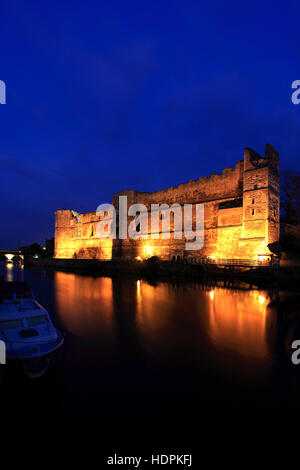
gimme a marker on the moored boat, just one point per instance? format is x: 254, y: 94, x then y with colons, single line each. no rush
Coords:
x: 26, y: 328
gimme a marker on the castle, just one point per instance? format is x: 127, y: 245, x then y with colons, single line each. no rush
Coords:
x: 241, y: 217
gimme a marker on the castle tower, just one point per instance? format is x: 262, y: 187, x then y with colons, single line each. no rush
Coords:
x: 63, y: 236
x: 260, y: 202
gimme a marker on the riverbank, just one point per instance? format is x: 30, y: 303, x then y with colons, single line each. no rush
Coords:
x: 286, y: 277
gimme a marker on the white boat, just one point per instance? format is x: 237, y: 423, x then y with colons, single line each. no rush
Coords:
x: 26, y: 328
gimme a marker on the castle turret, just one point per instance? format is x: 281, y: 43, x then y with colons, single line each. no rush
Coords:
x: 62, y: 248
x: 260, y: 202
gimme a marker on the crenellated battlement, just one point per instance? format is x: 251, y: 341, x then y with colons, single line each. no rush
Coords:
x: 216, y: 186
x: 241, y: 215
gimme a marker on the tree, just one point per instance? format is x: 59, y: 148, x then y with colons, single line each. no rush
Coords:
x: 32, y: 250
x: 37, y: 251
x: 49, y: 245
x: 290, y: 196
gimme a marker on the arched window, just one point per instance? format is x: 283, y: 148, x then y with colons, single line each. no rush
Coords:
x: 138, y: 226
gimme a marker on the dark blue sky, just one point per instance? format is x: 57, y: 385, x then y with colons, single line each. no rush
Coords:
x: 111, y: 95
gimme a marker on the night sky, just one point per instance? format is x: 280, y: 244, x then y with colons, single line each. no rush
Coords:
x: 111, y: 95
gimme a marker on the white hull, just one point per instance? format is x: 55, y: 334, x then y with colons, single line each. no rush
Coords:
x: 25, y: 326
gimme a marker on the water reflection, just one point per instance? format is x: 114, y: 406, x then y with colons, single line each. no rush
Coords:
x: 84, y: 304
x: 12, y: 271
x: 161, y: 317
x: 176, y: 354
x: 9, y: 275
x: 237, y: 321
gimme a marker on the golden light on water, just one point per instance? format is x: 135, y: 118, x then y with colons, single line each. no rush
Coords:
x: 237, y: 321
x: 9, y: 274
x: 162, y: 316
x: 84, y: 304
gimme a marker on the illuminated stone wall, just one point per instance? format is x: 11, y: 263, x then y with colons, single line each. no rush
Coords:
x: 76, y: 237
x: 241, y: 217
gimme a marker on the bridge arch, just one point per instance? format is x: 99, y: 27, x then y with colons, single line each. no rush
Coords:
x: 11, y: 256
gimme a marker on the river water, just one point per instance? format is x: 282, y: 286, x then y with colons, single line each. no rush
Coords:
x: 161, y: 364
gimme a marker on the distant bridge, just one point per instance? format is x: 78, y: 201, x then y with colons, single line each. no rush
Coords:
x: 12, y: 255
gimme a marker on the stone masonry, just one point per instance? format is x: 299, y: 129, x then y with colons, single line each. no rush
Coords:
x: 241, y: 217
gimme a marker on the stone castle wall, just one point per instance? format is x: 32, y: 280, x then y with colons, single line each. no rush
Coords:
x: 241, y: 217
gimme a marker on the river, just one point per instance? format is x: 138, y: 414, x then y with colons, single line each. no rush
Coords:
x: 163, y: 364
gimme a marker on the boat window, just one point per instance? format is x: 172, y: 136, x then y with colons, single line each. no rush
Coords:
x: 4, y: 324
x: 41, y: 320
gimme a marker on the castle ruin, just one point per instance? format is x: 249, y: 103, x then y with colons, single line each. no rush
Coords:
x: 241, y: 217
